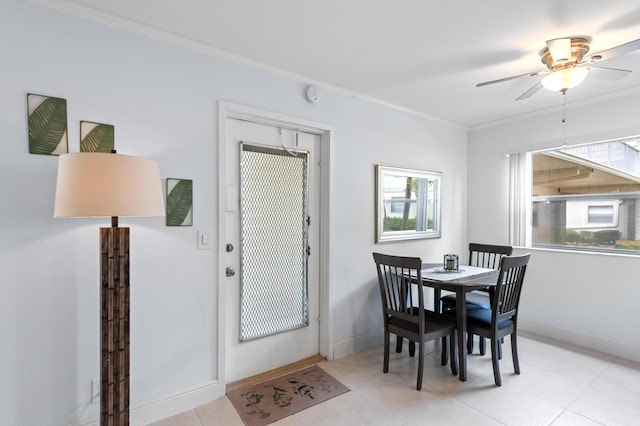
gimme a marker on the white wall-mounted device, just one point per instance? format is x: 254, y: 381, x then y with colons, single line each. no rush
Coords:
x: 312, y: 94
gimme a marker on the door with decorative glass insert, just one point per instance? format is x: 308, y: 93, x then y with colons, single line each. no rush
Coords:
x: 272, y: 288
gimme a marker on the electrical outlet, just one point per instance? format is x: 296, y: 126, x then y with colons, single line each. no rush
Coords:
x: 95, y: 391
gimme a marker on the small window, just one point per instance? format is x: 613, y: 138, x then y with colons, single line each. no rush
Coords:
x: 600, y: 214
x: 398, y: 204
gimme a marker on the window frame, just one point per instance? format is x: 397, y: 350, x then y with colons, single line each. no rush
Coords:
x: 521, y: 203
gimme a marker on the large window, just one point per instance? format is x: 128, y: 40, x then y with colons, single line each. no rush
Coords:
x: 582, y: 198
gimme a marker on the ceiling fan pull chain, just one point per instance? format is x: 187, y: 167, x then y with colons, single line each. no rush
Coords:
x: 564, y: 118
x: 564, y: 108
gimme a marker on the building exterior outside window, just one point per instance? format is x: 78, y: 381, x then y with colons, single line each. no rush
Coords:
x: 587, y: 197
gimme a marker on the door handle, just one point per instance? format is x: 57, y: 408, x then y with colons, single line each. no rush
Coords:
x: 229, y: 272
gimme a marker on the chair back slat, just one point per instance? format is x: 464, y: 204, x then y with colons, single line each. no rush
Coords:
x: 487, y: 255
x: 396, y: 276
x: 509, y: 287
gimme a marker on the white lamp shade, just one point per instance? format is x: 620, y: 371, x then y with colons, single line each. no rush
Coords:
x: 565, y: 79
x: 93, y: 184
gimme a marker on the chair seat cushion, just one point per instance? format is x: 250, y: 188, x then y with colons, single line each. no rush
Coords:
x: 482, y: 317
x: 480, y: 300
x: 432, y: 322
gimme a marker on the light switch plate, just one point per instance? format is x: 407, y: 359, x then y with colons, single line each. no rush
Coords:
x: 204, y: 239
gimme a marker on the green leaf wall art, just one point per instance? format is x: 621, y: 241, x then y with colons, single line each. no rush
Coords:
x: 179, y: 202
x: 96, y: 137
x: 47, y: 125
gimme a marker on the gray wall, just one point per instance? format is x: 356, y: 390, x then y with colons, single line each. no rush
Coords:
x: 162, y: 101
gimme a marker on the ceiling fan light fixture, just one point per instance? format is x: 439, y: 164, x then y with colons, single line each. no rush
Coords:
x: 560, y: 50
x: 562, y: 80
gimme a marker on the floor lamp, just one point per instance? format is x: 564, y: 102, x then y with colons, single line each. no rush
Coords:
x: 110, y: 185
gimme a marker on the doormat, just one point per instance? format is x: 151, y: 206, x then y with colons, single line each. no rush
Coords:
x: 275, y: 399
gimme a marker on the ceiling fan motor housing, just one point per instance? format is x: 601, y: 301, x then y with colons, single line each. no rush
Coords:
x: 579, y: 47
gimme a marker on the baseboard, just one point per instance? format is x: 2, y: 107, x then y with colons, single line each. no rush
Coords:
x: 358, y: 344
x: 590, y: 342
x: 173, y: 405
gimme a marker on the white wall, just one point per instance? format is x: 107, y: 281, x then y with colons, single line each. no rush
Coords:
x: 162, y: 101
x: 582, y: 298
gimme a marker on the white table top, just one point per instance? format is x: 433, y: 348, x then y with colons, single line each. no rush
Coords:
x: 439, y: 274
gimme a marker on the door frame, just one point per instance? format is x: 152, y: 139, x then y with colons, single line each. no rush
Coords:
x: 227, y: 110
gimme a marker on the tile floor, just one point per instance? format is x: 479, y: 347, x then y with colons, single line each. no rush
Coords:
x: 559, y: 385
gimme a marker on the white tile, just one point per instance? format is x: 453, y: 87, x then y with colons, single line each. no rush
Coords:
x: 188, y: 418
x: 614, y: 397
x: 569, y: 418
x: 559, y: 389
x: 451, y: 412
x: 559, y: 385
x: 507, y: 404
x: 218, y: 412
x: 350, y: 408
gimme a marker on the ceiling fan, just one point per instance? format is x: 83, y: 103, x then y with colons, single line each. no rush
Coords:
x: 567, y: 65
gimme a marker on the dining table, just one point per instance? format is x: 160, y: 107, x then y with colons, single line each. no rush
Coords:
x: 460, y: 281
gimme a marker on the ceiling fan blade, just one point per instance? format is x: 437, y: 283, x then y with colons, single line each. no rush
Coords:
x: 628, y: 47
x: 500, y: 80
x: 613, y: 74
x: 530, y: 92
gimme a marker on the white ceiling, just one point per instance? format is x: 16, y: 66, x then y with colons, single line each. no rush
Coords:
x: 421, y: 55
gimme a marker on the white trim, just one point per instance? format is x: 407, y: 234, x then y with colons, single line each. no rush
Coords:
x: 520, y: 207
x: 231, y: 110
x: 198, y: 46
x: 359, y: 344
x: 222, y: 335
x: 582, y: 340
x: 172, y: 405
x: 149, y: 31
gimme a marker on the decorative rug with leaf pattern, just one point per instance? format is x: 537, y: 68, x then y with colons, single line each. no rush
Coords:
x: 274, y: 399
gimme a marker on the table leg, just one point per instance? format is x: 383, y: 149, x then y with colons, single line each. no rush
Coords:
x: 461, y: 310
x: 436, y: 300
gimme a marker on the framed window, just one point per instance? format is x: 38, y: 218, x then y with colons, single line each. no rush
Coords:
x: 578, y: 198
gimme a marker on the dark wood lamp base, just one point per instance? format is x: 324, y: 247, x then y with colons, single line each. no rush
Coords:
x: 114, y: 324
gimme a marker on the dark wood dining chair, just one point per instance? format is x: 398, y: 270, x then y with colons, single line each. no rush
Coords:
x: 400, y: 282
x: 484, y: 256
x: 501, y: 319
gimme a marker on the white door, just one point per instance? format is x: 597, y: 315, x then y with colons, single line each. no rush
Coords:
x: 261, y: 333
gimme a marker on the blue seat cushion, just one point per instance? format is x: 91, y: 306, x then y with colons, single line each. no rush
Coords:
x: 478, y: 300
x: 482, y: 317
